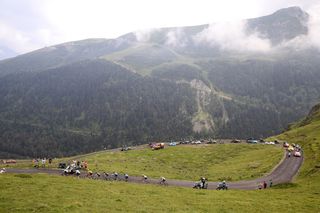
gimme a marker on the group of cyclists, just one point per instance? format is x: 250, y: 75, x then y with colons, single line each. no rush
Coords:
x: 116, y: 176
x: 202, y: 184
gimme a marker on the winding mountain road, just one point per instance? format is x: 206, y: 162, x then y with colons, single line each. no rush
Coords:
x: 282, y: 173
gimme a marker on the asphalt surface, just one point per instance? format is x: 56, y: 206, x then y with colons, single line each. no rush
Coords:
x: 284, y: 172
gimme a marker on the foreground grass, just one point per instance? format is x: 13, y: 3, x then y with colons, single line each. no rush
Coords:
x: 227, y: 161
x: 44, y: 193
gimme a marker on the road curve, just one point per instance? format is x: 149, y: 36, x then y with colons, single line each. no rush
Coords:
x: 282, y: 173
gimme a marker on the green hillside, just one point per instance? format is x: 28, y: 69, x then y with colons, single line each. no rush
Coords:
x: 69, y: 110
x: 216, y: 162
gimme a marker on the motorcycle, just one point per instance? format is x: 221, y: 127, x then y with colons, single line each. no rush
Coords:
x: 200, y: 185
x: 222, y: 186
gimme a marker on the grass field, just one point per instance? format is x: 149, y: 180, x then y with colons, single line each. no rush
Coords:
x: 44, y: 193
x: 186, y: 162
x: 216, y: 162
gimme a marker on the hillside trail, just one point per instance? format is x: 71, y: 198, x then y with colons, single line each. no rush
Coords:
x: 284, y: 172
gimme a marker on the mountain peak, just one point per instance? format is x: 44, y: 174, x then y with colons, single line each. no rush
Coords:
x: 282, y: 25
x: 294, y: 11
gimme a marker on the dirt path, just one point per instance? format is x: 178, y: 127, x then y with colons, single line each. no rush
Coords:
x: 282, y: 173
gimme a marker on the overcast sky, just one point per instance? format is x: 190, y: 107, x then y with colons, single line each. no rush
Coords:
x: 26, y: 25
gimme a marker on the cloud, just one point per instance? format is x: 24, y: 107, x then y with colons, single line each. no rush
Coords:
x: 314, y: 25
x: 176, y: 38
x: 144, y: 35
x: 14, y: 38
x: 232, y: 36
x: 24, y: 27
x: 21, y: 41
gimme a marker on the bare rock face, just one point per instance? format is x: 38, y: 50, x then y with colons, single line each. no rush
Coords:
x: 202, y: 120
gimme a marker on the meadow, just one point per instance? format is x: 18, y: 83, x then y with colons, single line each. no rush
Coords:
x: 229, y: 162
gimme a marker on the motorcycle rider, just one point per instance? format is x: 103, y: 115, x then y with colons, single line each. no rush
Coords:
x: 203, y: 181
x: 162, y: 180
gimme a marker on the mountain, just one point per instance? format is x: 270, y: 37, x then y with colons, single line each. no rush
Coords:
x: 231, y: 80
x: 62, y: 54
x: 283, y: 25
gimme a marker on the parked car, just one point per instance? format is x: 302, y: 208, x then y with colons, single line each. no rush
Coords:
x: 9, y: 161
x: 212, y: 142
x: 235, y: 141
x: 184, y: 142
x: 269, y: 142
x: 125, y: 148
x: 297, y: 154
x: 252, y: 141
x: 158, y: 146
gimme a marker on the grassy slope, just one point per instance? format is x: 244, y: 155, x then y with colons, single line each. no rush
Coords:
x: 59, y: 194
x: 188, y: 162
x: 307, y: 134
x: 216, y: 162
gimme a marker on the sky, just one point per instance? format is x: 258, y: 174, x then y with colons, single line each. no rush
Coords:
x: 27, y: 25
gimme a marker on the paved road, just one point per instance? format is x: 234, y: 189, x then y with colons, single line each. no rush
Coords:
x: 282, y: 173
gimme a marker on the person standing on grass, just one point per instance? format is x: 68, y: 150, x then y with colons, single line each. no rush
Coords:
x: 43, y: 161
x: 270, y: 183
x: 264, y: 184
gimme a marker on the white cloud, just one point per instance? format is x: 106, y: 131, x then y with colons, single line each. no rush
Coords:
x: 176, y: 38
x: 144, y: 35
x: 22, y: 41
x: 232, y: 36
x: 314, y: 25
x: 14, y: 38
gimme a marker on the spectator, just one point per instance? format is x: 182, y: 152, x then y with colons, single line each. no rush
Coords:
x: 43, y: 162
x: 264, y: 184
